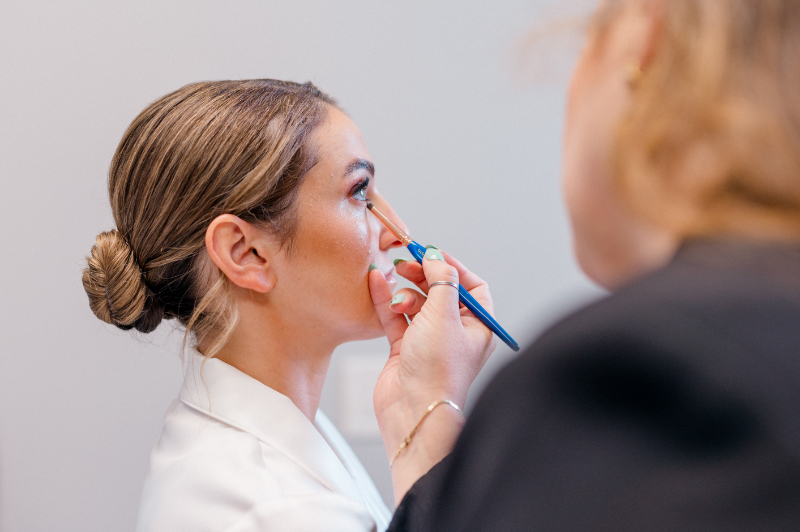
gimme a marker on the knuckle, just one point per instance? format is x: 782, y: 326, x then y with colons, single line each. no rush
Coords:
x: 448, y: 273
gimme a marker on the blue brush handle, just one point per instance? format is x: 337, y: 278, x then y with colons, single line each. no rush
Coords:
x: 468, y: 301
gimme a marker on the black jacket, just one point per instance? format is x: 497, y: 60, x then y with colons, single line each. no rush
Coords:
x: 673, y: 404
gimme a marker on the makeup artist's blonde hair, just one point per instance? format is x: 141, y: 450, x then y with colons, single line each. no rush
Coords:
x: 712, y: 142
x: 237, y: 147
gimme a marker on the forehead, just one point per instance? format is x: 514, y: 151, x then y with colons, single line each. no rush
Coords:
x: 338, y: 141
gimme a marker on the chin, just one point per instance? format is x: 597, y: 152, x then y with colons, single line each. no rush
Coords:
x: 590, y: 263
x: 604, y: 271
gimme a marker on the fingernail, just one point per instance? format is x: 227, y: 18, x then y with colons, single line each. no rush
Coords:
x: 373, y: 266
x: 397, y: 261
x: 433, y: 254
x: 399, y: 298
x: 430, y: 247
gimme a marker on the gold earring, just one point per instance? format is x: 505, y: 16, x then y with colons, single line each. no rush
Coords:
x: 633, y: 73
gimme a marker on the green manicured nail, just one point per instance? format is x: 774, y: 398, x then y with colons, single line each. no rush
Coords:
x: 373, y: 266
x: 433, y: 254
x: 397, y: 261
x: 431, y: 247
x: 399, y: 298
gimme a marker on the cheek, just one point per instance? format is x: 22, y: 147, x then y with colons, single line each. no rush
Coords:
x: 579, y: 167
x: 342, y: 248
x: 347, y: 249
x: 334, y: 228
x: 588, y: 140
x: 574, y: 150
x: 587, y: 174
x: 357, y: 228
x: 350, y: 237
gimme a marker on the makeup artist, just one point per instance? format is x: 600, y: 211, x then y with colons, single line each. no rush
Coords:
x: 674, y: 403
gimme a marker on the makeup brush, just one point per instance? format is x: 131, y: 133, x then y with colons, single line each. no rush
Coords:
x: 466, y: 299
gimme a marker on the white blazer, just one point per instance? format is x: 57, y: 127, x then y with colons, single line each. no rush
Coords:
x: 235, y: 455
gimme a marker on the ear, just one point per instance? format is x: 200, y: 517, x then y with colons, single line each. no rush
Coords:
x: 654, y: 12
x: 242, y: 252
x: 647, y: 29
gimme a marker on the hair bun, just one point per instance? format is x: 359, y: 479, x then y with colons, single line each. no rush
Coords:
x: 114, y: 283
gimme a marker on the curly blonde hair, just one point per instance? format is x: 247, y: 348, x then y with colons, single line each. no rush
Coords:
x: 711, y: 144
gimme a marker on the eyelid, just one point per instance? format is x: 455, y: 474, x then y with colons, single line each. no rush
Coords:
x: 361, y: 185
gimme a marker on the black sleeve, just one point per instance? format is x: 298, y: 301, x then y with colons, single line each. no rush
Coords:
x: 419, y: 503
x: 607, y: 432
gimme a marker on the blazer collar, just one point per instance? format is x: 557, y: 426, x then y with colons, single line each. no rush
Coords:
x: 774, y: 260
x: 232, y: 397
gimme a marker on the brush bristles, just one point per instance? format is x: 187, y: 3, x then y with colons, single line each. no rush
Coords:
x: 369, y: 205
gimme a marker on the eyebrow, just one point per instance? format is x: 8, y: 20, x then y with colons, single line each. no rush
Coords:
x: 360, y: 164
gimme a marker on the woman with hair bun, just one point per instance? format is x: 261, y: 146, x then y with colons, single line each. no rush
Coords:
x: 240, y: 211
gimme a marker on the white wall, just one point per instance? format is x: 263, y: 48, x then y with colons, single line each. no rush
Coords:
x: 469, y: 158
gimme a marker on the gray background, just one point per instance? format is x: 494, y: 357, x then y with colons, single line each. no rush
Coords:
x: 467, y: 151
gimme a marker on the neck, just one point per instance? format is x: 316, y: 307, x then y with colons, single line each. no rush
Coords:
x: 290, y: 361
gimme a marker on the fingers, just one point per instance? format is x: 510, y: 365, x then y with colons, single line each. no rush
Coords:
x: 443, y: 298
x: 412, y: 270
x: 394, y: 325
x: 407, y: 301
x: 467, y: 279
x: 476, y: 286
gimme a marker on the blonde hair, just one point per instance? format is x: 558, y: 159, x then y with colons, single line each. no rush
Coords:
x: 711, y: 144
x: 211, y: 148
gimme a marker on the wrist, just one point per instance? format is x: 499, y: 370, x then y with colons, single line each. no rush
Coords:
x: 399, y: 418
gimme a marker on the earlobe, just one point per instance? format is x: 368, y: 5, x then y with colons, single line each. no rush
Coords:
x: 240, y: 252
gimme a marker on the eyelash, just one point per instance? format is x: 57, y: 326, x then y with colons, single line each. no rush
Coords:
x: 361, y: 187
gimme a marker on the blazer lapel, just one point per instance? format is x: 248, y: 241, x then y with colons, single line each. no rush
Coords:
x: 228, y: 395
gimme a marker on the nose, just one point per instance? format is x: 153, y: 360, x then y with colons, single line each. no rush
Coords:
x: 387, y: 240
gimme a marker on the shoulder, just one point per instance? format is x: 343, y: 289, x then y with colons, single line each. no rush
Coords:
x: 714, y: 332
x: 720, y: 295
x: 203, y: 474
x: 206, y: 475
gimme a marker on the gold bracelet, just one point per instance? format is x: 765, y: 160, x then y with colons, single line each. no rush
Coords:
x: 407, y: 440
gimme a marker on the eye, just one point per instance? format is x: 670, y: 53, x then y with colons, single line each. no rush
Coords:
x: 360, y: 190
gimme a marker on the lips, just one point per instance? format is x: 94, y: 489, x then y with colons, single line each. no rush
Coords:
x: 390, y: 278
